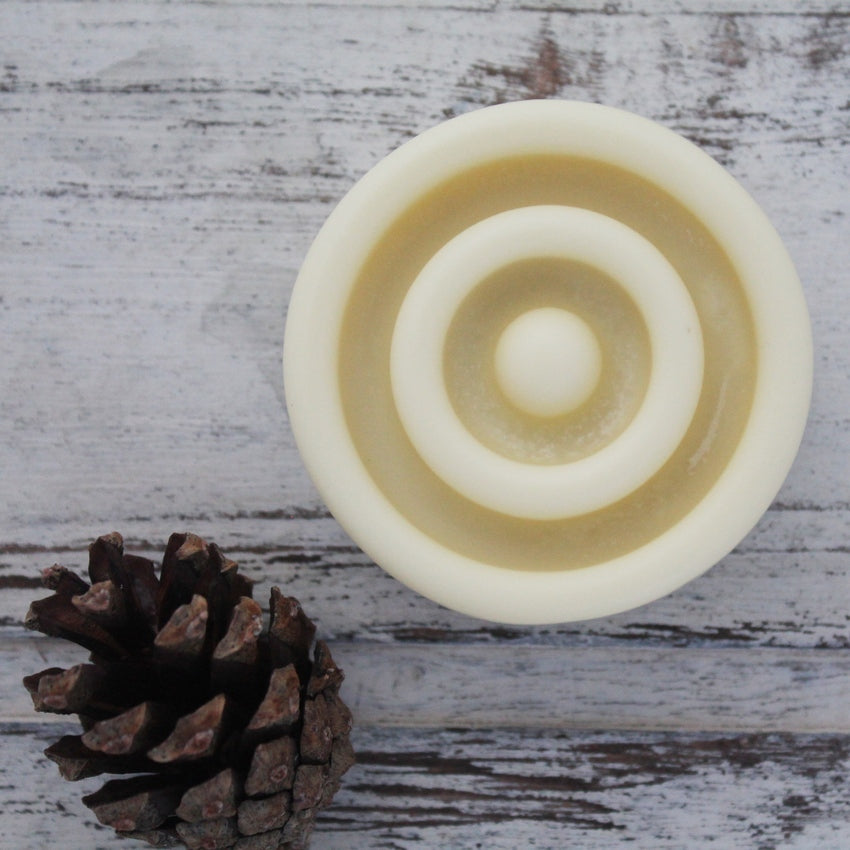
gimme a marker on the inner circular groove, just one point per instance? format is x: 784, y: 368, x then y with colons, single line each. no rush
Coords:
x: 535, y: 491
x: 366, y: 393
x: 474, y: 334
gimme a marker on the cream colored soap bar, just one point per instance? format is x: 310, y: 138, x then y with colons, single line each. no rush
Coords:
x: 547, y: 361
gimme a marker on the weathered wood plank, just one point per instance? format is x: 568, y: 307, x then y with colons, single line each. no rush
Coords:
x: 152, y: 233
x: 581, y: 687
x: 568, y: 7
x: 514, y: 789
x: 505, y: 789
x: 788, y: 584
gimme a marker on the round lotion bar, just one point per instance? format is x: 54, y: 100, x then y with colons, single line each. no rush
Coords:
x: 547, y: 361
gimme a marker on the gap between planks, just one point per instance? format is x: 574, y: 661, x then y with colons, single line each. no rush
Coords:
x: 600, y: 688
x: 767, y: 593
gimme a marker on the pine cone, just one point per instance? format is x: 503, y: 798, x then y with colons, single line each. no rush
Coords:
x: 235, y: 736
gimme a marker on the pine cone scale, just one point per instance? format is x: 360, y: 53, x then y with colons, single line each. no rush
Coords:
x: 76, y: 761
x: 210, y: 834
x: 218, y: 797
x: 265, y: 814
x: 281, y: 706
x: 140, y: 803
x: 130, y: 732
x: 272, y: 767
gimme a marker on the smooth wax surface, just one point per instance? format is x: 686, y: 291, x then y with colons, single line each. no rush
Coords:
x: 548, y: 362
x: 412, y: 430
x: 546, y: 491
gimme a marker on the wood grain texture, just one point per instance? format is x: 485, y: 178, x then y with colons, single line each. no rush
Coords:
x: 517, y: 788
x: 353, y: 599
x: 488, y: 686
x: 164, y: 185
x: 164, y: 169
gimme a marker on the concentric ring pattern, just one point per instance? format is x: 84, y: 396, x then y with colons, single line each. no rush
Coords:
x: 531, y: 359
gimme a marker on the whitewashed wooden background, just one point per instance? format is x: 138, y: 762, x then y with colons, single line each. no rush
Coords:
x: 163, y: 169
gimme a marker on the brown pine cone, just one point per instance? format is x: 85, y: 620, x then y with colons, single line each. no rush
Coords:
x: 235, y: 736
